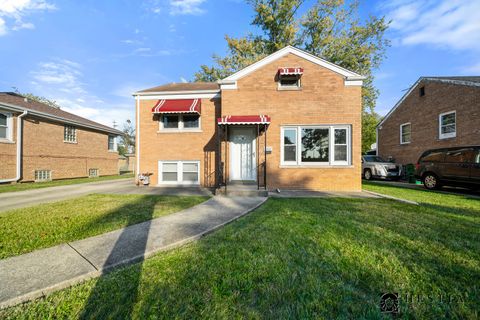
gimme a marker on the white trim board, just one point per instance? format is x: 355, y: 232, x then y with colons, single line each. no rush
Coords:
x: 349, y: 75
x: 179, y: 96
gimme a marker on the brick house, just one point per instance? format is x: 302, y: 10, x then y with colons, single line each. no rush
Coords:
x: 288, y: 121
x: 39, y: 142
x: 435, y: 112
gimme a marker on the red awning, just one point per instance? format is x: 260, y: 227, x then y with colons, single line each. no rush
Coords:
x: 177, y: 106
x: 260, y: 119
x: 290, y: 71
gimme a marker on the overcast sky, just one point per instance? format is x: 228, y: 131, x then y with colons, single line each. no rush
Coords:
x: 90, y: 55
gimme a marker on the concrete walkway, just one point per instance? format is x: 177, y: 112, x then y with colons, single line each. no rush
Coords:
x: 21, y: 199
x: 37, y: 273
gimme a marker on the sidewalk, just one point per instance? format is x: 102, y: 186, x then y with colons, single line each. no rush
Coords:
x: 37, y: 273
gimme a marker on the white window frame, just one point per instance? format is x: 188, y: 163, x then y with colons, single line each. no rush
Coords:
x: 331, y: 146
x: 65, y: 136
x: 9, y: 135
x: 401, y: 133
x: 446, y: 135
x: 179, y: 172
x: 181, y: 127
x: 285, y: 87
x: 43, y: 173
x: 114, y: 143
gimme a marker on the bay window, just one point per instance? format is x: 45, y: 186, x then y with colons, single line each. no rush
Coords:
x: 315, y: 145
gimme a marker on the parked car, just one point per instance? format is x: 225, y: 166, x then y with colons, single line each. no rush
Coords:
x: 376, y: 167
x: 459, y: 166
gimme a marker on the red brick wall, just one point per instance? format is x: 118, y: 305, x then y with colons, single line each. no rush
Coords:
x: 44, y: 149
x: 423, y: 113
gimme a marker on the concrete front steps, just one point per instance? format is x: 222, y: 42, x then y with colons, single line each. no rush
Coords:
x: 242, y: 189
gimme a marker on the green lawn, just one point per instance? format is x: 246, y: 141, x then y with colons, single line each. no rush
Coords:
x: 46, y: 225
x: 298, y: 259
x: 426, y: 197
x: 55, y: 183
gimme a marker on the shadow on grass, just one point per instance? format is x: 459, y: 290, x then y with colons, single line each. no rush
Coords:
x: 304, y: 258
x: 131, y: 244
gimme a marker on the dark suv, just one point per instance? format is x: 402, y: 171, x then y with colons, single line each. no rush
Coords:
x: 459, y: 166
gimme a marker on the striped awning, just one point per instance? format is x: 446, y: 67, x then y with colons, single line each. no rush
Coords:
x: 255, y: 119
x: 285, y: 71
x: 177, y: 106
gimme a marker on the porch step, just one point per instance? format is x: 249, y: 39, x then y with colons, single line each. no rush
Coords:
x: 241, y: 192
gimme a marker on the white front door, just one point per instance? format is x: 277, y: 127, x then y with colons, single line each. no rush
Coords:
x: 242, y: 154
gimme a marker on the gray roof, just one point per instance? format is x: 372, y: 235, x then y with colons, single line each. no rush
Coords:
x: 188, y: 86
x: 473, y: 79
x: 17, y: 101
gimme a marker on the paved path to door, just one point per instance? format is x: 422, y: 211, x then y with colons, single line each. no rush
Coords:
x: 21, y: 199
x: 37, y: 273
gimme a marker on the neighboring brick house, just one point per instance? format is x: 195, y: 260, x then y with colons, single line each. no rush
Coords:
x: 288, y: 121
x: 435, y: 112
x: 39, y: 142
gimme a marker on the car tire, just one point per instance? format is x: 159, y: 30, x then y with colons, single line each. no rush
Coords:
x: 367, y: 174
x: 430, y: 181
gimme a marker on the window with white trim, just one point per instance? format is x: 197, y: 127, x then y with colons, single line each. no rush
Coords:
x: 179, y: 172
x: 92, y: 173
x: 180, y: 122
x: 405, y: 133
x: 447, y: 125
x: 69, y: 134
x: 43, y: 175
x: 111, y: 143
x: 289, y: 82
x: 5, y: 126
x: 315, y: 145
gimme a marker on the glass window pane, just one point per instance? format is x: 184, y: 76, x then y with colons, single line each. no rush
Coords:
x: 169, y: 176
x: 315, y: 145
x: 341, y: 153
x: 448, y: 119
x: 191, y: 121
x: 3, y: 120
x: 169, y: 167
x: 190, y: 176
x: 340, y: 136
x: 170, y: 121
x: 290, y: 136
x: 448, y: 128
x: 190, y: 167
x: 3, y: 132
x: 290, y: 153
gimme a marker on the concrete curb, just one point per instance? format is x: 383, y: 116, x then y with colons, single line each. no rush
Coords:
x: 97, y: 273
x: 392, y: 198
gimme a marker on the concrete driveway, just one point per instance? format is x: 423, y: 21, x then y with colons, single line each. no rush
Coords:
x: 21, y: 199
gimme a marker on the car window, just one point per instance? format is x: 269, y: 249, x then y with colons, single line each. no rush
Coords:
x: 477, y: 156
x: 458, y: 156
x: 436, y: 156
x: 373, y: 159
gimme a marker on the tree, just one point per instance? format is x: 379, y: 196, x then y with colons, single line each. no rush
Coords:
x: 31, y: 96
x: 330, y: 29
x: 369, y: 132
x: 127, y: 139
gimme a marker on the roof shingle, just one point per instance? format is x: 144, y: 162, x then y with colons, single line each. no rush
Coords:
x: 18, y: 100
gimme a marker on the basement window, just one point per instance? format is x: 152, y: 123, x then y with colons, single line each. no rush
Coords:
x: 92, y: 173
x: 43, y: 175
x: 179, y: 172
